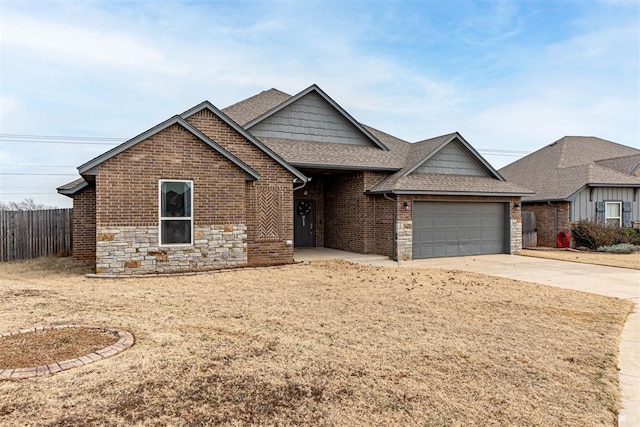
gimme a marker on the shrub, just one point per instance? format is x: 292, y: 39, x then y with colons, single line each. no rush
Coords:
x: 620, y: 248
x: 594, y: 234
x: 634, y: 235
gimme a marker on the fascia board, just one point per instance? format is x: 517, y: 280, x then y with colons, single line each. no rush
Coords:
x: 450, y: 193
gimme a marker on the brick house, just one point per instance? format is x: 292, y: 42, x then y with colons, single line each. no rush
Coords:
x: 210, y: 189
x: 579, y: 177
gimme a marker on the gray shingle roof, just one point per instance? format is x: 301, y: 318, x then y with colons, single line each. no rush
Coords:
x: 248, y: 109
x: 390, y: 154
x: 430, y: 183
x: 560, y: 169
x: 72, y: 187
x: 626, y: 164
x: 402, y: 156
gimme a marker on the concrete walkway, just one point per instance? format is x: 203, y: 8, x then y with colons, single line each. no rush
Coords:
x: 609, y: 281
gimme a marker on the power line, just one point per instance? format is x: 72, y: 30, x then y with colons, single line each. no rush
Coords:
x: 38, y: 166
x: 56, y: 142
x: 80, y: 138
x: 38, y: 174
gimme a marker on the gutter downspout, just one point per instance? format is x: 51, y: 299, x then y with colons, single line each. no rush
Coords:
x: 304, y: 184
x: 395, y: 228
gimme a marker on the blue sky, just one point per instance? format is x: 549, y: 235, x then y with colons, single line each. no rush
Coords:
x: 511, y: 76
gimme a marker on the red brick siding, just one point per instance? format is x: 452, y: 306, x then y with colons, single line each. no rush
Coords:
x: 353, y: 220
x: 344, y: 212
x: 271, y: 174
x: 127, y: 184
x: 383, y: 226
x: 378, y: 218
x: 550, y: 220
x: 84, y: 225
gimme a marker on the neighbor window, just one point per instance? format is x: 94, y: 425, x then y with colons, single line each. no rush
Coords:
x: 176, y: 212
x: 613, y: 213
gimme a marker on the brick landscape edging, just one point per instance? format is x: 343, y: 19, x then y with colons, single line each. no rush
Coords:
x: 125, y: 341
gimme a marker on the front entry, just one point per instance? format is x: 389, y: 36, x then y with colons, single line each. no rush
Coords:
x: 304, y: 217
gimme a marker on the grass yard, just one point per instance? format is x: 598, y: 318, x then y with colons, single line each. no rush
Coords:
x: 598, y: 258
x: 329, y: 343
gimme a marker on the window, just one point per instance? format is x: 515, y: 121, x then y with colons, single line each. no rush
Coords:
x: 176, y: 213
x: 613, y: 213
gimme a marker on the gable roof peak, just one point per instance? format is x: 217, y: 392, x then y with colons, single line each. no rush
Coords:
x: 427, y: 148
x: 334, y: 105
x: 88, y: 168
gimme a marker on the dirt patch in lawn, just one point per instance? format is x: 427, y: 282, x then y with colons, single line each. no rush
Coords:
x: 599, y: 258
x: 328, y: 343
x: 51, y: 346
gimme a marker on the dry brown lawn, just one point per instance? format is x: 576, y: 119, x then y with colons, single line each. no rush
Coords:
x: 323, y: 344
x: 598, y: 258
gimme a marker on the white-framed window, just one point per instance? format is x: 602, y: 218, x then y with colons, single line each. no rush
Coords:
x: 175, y: 202
x: 613, y: 213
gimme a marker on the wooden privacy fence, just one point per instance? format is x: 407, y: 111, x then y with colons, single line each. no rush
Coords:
x: 529, y: 230
x: 32, y: 234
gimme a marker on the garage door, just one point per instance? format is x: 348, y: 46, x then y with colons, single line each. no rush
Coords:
x: 442, y: 229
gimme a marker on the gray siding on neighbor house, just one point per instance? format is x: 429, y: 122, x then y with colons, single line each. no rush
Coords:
x: 584, y: 207
x: 452, y: 159
x: 309, y: 119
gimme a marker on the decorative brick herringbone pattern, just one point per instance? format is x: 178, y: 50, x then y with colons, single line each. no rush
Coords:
x: 269, y: 213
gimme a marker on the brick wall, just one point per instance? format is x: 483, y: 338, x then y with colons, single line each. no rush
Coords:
x: 346, y: 217
x: 382, y: 226
x: 127, y: 196
x: 378, y: 217
x: 84, y: 225
x: 344, y: 212
x: 272, y: 175
x: 550, y: 220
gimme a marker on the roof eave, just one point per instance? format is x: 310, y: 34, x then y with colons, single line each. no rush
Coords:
x: 344, y: 167
x: 449, y: 193
x: 73, y: 190
x: 545, y: 200
x: 627, y: 185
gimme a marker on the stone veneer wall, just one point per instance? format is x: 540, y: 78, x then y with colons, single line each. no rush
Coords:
x: 516, y: 235
x: 404, y: 240
x: 134, y: 250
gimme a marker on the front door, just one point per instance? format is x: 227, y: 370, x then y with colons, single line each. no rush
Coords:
x: 304, y: 216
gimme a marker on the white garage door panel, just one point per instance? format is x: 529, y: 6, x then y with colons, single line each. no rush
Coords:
x: 442, y: 229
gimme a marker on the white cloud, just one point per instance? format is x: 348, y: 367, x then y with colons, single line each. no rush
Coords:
x: 84, y: 45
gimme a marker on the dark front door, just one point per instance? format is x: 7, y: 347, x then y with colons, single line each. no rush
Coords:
x: 304, y: 212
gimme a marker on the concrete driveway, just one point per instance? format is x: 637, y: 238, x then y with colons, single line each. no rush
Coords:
x: 609, y: 281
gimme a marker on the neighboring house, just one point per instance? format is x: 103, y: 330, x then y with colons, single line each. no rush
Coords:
x: 579, y: 177
x: 242, y: 186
